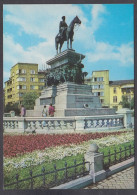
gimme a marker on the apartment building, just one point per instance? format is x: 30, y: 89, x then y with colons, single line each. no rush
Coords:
x: 118, y: 89
x: 110, y: 92
x: 24, y: 77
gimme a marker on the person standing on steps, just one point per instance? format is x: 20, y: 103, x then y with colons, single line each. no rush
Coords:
x: 23, y: 111
x: 44, y: 111
x: 51, y: 111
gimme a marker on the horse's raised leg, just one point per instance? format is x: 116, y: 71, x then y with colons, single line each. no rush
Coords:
x: 70, y: 44
x: 60, y: 48
x: 56, y: 45
x: 67, y: 43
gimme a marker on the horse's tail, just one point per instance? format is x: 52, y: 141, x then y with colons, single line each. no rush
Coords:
x: 56, y: 42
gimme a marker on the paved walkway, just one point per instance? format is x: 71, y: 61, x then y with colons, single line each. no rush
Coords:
x: 121, y: 180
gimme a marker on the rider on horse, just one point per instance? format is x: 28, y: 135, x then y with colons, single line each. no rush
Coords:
x: 62, y: 27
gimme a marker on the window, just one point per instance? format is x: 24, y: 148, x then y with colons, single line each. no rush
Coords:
x: 23, y: 71
x: 98, y: 93
x: 32, y: 71
x: 101, y: 86
x: 17, y: 71
x: 102, y: 101
x: 41, y: 80
x: 98, y: 87
x: 32, y: 79
x: 20, y: 94
x: 32, y: 86
x: 41, y: 87
x: 95, y: 94
x: 114, y: 90
x: 98, y: 79
x: 21, y: 87
x: 21, y: 79
x: 115, y: 99
x: 95, y: 87
x: 101, y: 93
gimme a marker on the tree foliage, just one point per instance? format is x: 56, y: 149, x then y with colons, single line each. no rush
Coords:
x: 29, y: 100
x: 14, y: 107
x: 132, y: 103
x: 126, y: 103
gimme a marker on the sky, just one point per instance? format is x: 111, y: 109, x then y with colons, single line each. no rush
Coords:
x: 105, y: 36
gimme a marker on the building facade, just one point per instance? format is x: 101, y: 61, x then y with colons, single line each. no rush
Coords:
x: 110, y: 92
x: 24, y: 77
x: 100, y: 86
x: 119, y: 89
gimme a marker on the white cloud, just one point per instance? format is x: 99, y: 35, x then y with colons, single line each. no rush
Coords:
x: 104, y: 51
x: 15, y: 53
x: 41, y: 20
x: 97, y: 18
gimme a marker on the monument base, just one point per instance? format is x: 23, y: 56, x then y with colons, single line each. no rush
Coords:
x: 70, y: 99
x: 84, y: 112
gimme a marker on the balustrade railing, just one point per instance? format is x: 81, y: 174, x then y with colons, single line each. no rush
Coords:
x: 107, y: 121
x: 40, y: 124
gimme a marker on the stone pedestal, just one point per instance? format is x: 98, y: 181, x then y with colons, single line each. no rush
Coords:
x: 96, y: 163
x: 68, y: 56
x: 71, y: 95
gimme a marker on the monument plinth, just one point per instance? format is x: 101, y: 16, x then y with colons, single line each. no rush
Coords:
x: 67, y: 57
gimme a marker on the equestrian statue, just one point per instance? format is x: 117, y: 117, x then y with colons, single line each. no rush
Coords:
x: 66, y: 33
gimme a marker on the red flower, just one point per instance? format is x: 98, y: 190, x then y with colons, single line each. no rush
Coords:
x: 20, y: 144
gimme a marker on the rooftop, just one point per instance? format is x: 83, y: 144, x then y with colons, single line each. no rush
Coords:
x: 21, y: 63
x: 99, y: 70
x: 121, y: 82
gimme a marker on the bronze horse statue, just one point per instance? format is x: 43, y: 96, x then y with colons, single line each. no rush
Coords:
x: 68, y: 35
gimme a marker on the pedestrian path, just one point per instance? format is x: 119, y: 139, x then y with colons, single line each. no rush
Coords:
x: 121, y: 180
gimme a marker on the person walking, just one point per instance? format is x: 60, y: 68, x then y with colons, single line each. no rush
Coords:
x: 23, y: 111
x: 44, y: 111
x: 51, y: 111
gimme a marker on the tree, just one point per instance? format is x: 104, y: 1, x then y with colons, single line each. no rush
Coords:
x: 29, y: 100
x: 126, y: 103
x: 132, y: 103
x: 14, y: 107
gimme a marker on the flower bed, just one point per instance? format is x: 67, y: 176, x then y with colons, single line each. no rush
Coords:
x: 59, y: 152
x: 21, y: 144
x: 76, y: 155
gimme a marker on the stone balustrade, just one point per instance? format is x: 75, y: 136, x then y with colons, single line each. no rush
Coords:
x: 59, y: 124
x: 104, y: 122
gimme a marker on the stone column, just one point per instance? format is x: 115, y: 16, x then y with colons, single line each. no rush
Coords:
x: 21, y: 124
x: 96, y: 163
x: 80, y: 123
x: 127, y: 116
